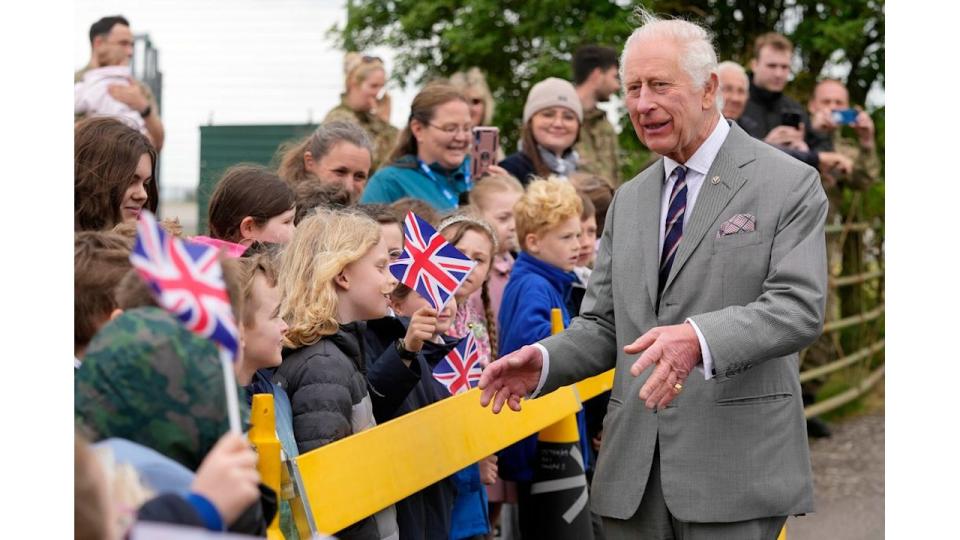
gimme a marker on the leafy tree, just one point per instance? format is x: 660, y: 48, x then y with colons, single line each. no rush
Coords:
x: 518, y: 43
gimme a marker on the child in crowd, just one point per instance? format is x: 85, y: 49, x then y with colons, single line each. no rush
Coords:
x: 100, y: 260
x: 249, y: 203
x: 333, y: 276
x: 600, y: 192
x: 494, y: 197
x: 466, y: 231
x: 91, y: 96
x: 549, y: 228
x: 311, y: 195
x: 587, y: 253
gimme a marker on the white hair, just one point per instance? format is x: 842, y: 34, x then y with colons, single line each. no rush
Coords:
x: 733, y: 66
x: 699, y: 59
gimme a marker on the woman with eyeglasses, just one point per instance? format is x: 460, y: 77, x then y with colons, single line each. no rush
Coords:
x: 431, y: 160
x: 361, y: 104
x: 552, y: 118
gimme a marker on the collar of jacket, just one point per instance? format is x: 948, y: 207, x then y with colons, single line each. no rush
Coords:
x: 562, y: 281
x: 594, y: 114
x: 762, y: 95
x: 349, y: 339
x: 457, y: 174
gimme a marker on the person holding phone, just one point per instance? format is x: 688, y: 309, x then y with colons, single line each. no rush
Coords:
x: 552, y: 117
x: 366, y: 104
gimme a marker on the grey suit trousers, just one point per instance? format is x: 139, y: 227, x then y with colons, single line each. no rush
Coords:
x: 653, y: 520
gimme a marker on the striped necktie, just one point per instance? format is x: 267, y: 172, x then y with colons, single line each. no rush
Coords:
x: 673, y: 226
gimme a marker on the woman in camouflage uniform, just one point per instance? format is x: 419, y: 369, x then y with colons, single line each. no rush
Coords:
x: 365, y: 78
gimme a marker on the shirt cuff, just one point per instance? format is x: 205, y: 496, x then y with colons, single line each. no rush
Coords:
x: 704, y: 351
x: 543, y: 370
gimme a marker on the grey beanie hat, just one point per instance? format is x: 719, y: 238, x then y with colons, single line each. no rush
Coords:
x: 552, y: 92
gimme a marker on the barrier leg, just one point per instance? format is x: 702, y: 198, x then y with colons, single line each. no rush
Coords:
x: 263, y: 435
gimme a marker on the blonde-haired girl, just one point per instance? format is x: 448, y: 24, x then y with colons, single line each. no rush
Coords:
x: 494, y: 198
x: 334, y: 275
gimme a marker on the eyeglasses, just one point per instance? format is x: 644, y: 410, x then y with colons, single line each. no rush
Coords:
x: 452, y: 129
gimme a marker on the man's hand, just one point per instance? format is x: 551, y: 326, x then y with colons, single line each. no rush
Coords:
x: 423, y: 325
x: 786, y: 136
x: 835, y: 163
x: 864, y: 128
x: 488, y: 470
x: 130, y: 95
x: 822, y: 120
x: 597, y: 441
x: 511, y: 378
x: 675, y: 350
x: 228, y: 476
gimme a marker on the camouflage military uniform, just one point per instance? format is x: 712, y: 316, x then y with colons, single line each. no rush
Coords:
x: 381, y: 133
x: 148, y: 379
x: 866, y: 171
x: 598, y: 148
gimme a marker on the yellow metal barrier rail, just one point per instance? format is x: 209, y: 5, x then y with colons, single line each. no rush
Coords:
x: 263, y: 435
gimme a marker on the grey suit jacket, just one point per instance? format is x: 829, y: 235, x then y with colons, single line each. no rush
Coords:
x: 735, y: 447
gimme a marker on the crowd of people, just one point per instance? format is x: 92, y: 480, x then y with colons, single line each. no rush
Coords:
x: 325, y: 327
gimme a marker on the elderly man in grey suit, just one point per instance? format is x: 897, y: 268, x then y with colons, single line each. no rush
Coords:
x: 712, y: 265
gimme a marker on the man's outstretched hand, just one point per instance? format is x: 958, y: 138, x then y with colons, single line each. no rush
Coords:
x: 511, y: 378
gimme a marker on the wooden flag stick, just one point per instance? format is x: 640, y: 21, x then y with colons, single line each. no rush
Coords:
x: 230, y: 388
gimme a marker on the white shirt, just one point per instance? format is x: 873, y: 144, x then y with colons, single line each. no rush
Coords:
x: 697, y: 167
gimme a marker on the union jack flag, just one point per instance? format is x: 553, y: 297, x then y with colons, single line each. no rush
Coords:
x: 186, y: 279
x: 429, y: 264
x: 460, y: 370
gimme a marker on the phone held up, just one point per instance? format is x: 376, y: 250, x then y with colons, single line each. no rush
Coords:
x: 845, y: 117
x: 791, y: 119
x: 483, y: 149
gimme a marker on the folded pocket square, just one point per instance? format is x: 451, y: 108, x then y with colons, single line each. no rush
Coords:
x: 738, y: 224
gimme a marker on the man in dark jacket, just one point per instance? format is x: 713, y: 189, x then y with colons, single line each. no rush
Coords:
x: 778, y: 119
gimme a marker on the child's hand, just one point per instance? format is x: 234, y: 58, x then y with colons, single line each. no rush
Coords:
x: 488, y: 470
x: 228, y: 476
x: 423, y: 326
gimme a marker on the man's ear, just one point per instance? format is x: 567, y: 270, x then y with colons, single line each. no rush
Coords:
x: 115, y: 313
x: 753, y: 65
x: 532, y: 243
x: 711, y: 87
x: 248, y: 228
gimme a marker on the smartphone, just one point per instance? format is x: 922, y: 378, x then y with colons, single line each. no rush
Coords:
x: 483, y: 150
x: 845, y: 117
x: 791, y: 119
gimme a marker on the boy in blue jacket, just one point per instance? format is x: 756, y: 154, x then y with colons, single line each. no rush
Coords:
x: 548, y: 229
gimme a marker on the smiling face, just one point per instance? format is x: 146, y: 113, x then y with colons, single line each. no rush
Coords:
x: 446, y: 138
x: 346, y: 164
x: 559, y: 245
x: 555, y: 128
x: 671, y: 115
x: 368, y: 283
x: 135, y: 196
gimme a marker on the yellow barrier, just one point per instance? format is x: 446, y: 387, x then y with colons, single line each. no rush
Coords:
x: 424, y: 447
x: 263, y: 435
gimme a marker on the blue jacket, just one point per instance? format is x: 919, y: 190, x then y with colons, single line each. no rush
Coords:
x: 534, y: 288
x: 470, y: 516
x: 404, y: 178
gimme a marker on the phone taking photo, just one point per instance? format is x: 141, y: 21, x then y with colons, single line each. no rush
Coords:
x: 483, y: 149
x: 845, y: 117
x: 791, y: 119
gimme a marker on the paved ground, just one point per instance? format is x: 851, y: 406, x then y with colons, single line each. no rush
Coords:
x: 848, y: 483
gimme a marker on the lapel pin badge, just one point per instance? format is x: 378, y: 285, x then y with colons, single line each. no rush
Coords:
x: 715, y: 180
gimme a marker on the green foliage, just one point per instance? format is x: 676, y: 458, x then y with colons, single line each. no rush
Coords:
x: 518, y: 43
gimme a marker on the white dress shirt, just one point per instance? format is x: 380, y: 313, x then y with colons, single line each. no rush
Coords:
x: 697, y: 167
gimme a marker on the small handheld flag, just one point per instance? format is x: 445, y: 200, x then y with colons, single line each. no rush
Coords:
x: 187, y: 280
x: 429, y: 264
x: 460, y: 370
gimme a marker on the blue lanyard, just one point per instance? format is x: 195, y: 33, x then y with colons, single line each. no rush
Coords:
x: 451, y: 198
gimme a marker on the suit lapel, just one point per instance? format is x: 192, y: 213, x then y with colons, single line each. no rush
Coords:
x: 713, y: 197
x: 649, y: 219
